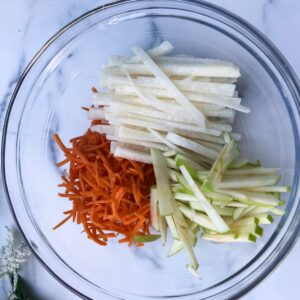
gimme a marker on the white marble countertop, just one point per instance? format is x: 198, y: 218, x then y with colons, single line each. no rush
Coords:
x: 26, y: 24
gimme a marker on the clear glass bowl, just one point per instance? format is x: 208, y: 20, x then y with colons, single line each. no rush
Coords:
x: 48, y: 98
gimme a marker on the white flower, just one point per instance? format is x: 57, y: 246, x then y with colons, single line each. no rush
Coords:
x: 12, y: 255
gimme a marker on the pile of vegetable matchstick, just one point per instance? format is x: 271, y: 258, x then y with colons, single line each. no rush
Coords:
x: 109, y: 195
x: 176, y: 113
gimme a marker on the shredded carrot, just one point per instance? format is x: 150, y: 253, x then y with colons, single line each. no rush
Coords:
x: 63, y: 221
x: 109, y: 195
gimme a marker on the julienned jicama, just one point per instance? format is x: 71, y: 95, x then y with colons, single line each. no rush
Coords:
x: 175, y: 113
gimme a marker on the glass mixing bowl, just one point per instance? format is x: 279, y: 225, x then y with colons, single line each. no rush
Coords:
x: 48, y: 98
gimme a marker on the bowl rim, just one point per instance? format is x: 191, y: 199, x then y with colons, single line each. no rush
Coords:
x: 265, y: 42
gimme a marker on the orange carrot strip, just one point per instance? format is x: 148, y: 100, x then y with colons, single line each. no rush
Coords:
x: 62, y: 222
x: 60, y: 143
x: 63, y: 162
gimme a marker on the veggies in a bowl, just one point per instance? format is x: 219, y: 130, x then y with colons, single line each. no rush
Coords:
x: 175, y: 113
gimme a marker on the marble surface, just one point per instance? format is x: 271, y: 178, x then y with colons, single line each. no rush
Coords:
x: 26, y: 24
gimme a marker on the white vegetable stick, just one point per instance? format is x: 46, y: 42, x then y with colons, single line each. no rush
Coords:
x: 158, y: 124
x: 225, y: 157
x: 184, y: 236
x: 113, y: 146
x: 121, y: 108
x: 229, y: 102
x: 126, y: 99
x: 172, y: 115
x: 164, y: 140
x: 229, y: 238
x: 251, y: 171
x: 126, y: 132
x: 241, y: 182
x: 116, y: 71
x: 223, y: 89
x: 230, y: 204
x: 185, y: 197
x: 139, y: 133
x: 197, y: 135
x: 231, y: 119
x: 219, y: 223
x: 151, y: 100
x: 104, y: 129
x: 96, y: 113
x: 134, y: 147
x: 261, y: 199
x: 182, y: 117
x: 136, y: 123
x: 105, y: 99
x: 247, y: 210
x: 210, y: 145
x: 192, y: 156
x: 190, y: 79
x: 193, y: 271
x: 219, y: 126
x: 233, y: 193
x: 278, y: 189
x: 152, y: 112
x: 196, y: 157
x: 259, y: 219
x: 263, y: 210
x: 197, y: 217
x: 172, y: 226
x: 226, y: 211
x: 182, y: 58
x: 191, y: 96
x: 217, y: 196
x: 162, y: 49
x: 238, y: 212
x: 200, y: 136
x: 248, y: 172
x: 220, y: 79
x: 222, y: 113
x: 166, y: 105
x: 101, y: 99
x: 133, y: 141
x: 133, y: 99
x: 169, y: 153
x: 165, y: 196
x: 260, y: 196
x: 132, y: 155
x: 171, y: 162
x: 207, y: 68
x: 195, y: 147
x: 154, y: 208
x: 166, y: 82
